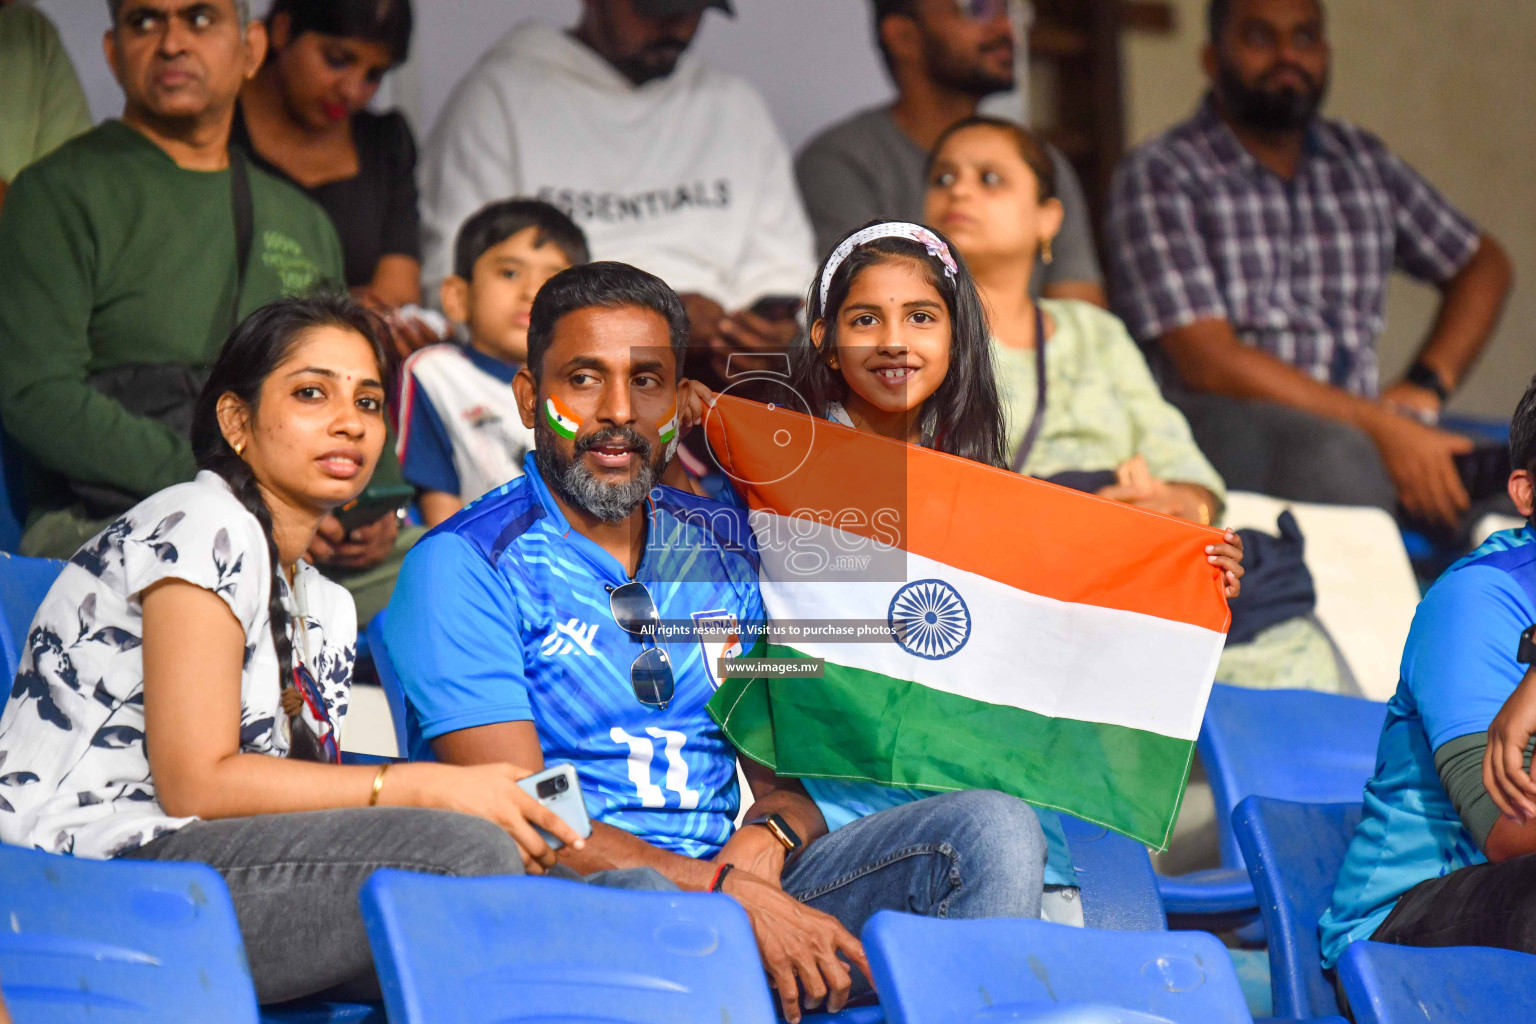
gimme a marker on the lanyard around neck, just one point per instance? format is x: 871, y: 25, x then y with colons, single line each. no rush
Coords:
x: 1032, y: 434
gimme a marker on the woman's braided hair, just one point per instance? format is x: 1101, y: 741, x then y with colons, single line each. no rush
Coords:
x: 256, y: 348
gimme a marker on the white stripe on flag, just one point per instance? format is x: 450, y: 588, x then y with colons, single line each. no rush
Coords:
x: 1052, y: 657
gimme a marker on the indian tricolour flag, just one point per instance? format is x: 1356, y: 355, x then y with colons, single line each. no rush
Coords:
x: 1031, y: 639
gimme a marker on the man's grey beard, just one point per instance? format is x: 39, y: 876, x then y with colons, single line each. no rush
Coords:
x: 575, y: 483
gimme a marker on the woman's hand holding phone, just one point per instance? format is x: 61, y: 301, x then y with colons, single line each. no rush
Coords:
x: 488, y: 791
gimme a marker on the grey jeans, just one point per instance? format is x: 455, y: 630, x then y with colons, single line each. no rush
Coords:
x: 1276, y: 450
x: 294, y: 879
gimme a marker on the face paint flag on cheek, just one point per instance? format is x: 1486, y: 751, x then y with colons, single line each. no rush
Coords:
x: 669, y: 425
x: 561, y: 419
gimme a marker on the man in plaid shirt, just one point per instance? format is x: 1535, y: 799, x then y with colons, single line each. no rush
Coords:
x: 1254, y: 243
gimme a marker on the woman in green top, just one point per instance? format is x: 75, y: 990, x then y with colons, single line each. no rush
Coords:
x: 1102, y: 423
x: 1104, y: 426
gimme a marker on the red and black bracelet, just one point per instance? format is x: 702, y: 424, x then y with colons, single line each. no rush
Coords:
x: 718, y: 882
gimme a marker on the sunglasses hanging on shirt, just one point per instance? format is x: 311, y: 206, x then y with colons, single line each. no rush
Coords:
x: 650, y: 676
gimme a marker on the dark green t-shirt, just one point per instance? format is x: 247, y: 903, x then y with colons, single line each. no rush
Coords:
x: 111, y: 254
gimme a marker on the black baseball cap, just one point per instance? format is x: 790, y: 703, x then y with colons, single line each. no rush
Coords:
x: 674, y: 8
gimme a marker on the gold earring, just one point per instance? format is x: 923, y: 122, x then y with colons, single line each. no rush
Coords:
x: 240, y: 448
x: 1045, y: 251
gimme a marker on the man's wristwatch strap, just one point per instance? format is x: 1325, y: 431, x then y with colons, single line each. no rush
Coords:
x: 1428, y: 378
x: 780, y: 830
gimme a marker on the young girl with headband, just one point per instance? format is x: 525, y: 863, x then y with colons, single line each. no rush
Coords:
x: 899, y: 345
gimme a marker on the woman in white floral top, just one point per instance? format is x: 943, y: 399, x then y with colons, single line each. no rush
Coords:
x: 184, y: 682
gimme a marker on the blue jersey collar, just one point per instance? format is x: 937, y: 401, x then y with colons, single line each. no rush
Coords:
x: 605, y: 564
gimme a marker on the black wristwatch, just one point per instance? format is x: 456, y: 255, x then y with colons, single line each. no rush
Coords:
x: 1426, y: 377
x: 781, y: 831
x: 1527, y: 653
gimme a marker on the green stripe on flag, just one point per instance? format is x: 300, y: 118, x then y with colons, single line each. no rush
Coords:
x: 861, y: 725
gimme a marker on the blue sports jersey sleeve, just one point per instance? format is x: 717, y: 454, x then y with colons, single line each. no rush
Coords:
x: 1459, y: 662
x: 428, y: 461
x: 452, y: 634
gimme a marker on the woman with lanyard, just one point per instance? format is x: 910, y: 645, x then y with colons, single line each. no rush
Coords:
x: 146, y: 719
x: 304, y: 117
x: 1082, y: 408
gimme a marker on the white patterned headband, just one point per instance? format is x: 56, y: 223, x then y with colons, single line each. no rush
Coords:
x: 890, y: 229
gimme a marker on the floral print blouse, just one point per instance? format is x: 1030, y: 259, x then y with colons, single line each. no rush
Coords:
x: 74, y: 775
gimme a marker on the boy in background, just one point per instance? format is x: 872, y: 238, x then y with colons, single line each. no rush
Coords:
x: 460, y: 433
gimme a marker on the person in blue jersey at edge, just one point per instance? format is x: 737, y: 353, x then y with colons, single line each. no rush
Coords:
x: 511, y: 631
x: 1440, y: 857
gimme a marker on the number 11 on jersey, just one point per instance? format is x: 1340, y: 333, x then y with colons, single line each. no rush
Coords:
x: 642, y: 752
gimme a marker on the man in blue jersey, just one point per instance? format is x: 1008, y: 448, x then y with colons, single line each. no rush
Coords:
x: 1433, y: 862
x: 513, y: 630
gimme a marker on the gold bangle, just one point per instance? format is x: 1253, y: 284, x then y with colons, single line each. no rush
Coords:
x: 378, y: 784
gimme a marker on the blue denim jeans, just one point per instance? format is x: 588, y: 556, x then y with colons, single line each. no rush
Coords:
x: 294, y: 880
x: 978, y: 853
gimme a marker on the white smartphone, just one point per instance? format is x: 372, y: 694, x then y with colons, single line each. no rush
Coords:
x: 559, y: 789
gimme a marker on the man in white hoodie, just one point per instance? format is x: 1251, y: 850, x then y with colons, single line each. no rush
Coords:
x: 666, y: 163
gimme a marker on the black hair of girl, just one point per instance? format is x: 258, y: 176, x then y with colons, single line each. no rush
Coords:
x: 964, y: 416
x: 388, y: 22
x: 256, y: 348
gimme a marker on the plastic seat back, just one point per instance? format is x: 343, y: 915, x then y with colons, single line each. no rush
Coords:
x: 322, y: 1012
x: 393, y: 691
x: 119, y: 942
x: 1289, y: 744
x: 1388, y: 984
x: 472, y: 950
x: 933, y: 970
x: 1300, y: 745
x: 1294, y: 852
x: 24, y: 582
x: 1119, y: 888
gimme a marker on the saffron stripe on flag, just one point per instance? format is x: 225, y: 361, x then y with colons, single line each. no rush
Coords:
x: 1024, y: 533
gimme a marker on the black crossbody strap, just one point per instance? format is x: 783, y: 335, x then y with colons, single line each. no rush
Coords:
x: 245, y: 225
x: 1028, y: 444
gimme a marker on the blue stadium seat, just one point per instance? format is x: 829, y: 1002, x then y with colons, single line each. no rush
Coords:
x: 13, y: 509
x: 393, y: 692
x: 1294, y: 851
x: 873, y: 1014
x: 119, y: 941
x: 471, y: 950
x: 931, y: 970
x: 1388, y: 984
x: 24, y: 582
x: 129, y: 940
x: 1119, y: 888
x: 317, y: 1012
x: 1289, y: 744
x: 1476, y: 427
